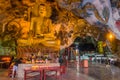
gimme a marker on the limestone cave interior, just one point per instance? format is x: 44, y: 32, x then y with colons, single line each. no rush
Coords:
x: 50, y: 25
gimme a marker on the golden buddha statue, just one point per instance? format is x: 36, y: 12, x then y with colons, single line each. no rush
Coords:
x: 41, y: 25
x: 41, y: 28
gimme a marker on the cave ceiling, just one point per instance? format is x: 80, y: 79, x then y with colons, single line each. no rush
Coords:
x: 75, y: 17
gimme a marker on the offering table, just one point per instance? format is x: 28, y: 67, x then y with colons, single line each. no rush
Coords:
x: 21, y: 67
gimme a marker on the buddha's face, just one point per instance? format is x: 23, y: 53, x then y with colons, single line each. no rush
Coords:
x: 42, y: 10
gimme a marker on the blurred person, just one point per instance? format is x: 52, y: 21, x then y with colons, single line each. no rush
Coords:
x: 15, y: 66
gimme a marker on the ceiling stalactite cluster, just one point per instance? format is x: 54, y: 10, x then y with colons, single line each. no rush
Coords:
x: 28, y: 24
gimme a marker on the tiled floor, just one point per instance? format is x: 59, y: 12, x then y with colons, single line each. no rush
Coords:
x: 93, y: 72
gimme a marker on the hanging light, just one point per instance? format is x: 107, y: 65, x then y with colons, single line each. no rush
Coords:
x: 110, y: 36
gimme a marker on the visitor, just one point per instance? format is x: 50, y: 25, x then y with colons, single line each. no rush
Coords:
x: 32, y: 58
x: 15, y: 66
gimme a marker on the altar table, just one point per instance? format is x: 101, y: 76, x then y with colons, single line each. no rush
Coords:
x: 22, y: 67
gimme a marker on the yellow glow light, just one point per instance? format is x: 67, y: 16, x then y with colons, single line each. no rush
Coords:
x: 110, y: 36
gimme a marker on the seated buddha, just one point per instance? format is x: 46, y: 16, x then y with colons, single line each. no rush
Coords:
x: 41, y: 26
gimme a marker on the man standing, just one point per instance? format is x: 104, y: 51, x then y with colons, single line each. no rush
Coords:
x: 15, y: 66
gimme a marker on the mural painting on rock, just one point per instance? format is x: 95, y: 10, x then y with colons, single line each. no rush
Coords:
x: 98, y: 12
